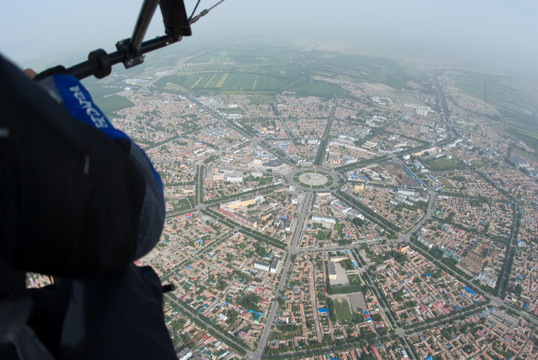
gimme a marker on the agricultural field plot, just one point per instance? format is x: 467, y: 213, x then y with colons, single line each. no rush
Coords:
x: 266, y: 57
x: 415, y: 289
x: 174, y: 88
x: 321, y: 89
x: 491, y: 88
x: 99, y: 88
x: 476, y: 214
x: 254, y: 82
x: 222, y: 285
x: 466, y: 125
x: 269, y: 79
x: 108, y: 95
x: 513, y: 101
x: 236, y: 82
x: 218, y: 57
x: 367, y: 69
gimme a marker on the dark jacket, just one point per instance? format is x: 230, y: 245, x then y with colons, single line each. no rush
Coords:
x: 77, y: 204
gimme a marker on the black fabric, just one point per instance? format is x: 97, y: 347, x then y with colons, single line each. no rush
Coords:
x: 70, y: 199
x: 12, y: 282
x: 8, y: 352
x: 71, y: 205
x: 15, y: 333
x: 106, y: 317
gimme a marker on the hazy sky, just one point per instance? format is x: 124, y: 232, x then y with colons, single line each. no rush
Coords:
x: 499, y: 32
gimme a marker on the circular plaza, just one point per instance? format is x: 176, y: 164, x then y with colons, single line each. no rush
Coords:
x: 313, y: 179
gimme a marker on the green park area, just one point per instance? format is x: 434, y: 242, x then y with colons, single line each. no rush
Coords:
x: 447, y: 184
x: 341, y: 308
x: 443, y: 164
x: 113, y: 103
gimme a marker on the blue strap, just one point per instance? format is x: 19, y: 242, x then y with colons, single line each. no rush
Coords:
x: 80, y: 104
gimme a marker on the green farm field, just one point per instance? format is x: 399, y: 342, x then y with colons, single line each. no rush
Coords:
x: 517, y: 103
x: 266, y: 71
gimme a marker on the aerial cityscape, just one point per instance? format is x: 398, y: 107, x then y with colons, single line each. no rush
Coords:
x: 330, y: 205
x: 343, y: 180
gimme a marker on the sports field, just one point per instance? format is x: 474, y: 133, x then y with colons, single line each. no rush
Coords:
x: 341, y: 308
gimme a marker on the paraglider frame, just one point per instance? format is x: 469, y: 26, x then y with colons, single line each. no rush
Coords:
x: 131, y: 51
